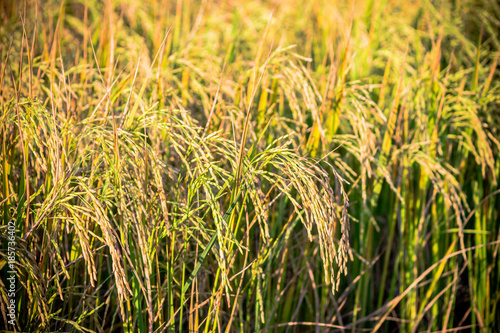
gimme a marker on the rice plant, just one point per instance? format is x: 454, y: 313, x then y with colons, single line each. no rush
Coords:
x: 257, y: 166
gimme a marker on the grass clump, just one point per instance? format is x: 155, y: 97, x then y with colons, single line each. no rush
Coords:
x: 264, y: 166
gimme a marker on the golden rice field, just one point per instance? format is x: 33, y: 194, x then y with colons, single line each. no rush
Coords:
x: 250, y: 166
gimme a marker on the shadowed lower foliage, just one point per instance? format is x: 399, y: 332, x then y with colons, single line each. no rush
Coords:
x: 282, y: 166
